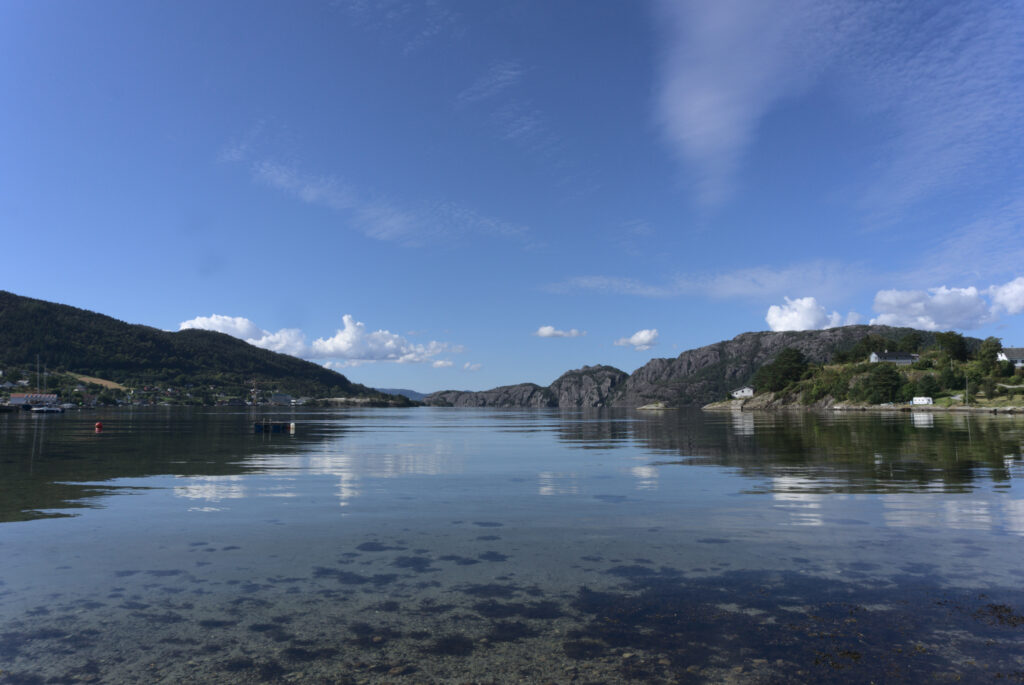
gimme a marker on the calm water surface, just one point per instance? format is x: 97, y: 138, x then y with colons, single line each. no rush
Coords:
x: 446, y: 545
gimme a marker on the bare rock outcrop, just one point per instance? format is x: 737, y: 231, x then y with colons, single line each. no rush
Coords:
x: 527, y: 395
x: 695, y: 377
x: 591, y: 386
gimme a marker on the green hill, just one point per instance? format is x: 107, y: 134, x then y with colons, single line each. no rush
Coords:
x: 79, y: 341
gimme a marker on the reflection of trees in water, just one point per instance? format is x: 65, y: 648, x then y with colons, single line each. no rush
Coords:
x: 830, y: 452
x: 45, y: 459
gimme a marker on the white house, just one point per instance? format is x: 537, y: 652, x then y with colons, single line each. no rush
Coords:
x: 740, y: 393
x: 897, y: 358
x: 922, y: 400
x: 1012, y: 354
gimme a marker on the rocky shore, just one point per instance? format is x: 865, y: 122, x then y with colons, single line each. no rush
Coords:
x: 770, y: 402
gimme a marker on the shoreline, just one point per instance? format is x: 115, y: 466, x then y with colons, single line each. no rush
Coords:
x: 771, y: 404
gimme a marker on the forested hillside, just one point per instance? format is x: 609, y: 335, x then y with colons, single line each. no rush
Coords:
x: 75, y: 340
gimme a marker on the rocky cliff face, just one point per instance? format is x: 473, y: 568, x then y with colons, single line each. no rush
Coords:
x: 698, y: 376
x: 591, y: 386
x: 708, y: 373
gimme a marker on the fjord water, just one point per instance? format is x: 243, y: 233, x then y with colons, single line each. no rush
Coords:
x: 436, y: 545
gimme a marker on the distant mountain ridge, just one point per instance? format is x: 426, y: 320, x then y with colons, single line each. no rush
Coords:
x: 411, y: 394
x: 695, y: 377
x: 84, y: 342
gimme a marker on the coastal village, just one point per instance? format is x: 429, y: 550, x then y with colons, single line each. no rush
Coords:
x: 945, y: 376
x: 23, y: 389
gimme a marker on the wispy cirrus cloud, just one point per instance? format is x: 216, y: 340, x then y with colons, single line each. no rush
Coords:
x: 724, y: 65
x: 987, y: 248
x: 500, y: 77
x: 379, y: 217
x: 512, y: 117
x: 412, y: 25
x: 943, y: 79
x: 824, y: 277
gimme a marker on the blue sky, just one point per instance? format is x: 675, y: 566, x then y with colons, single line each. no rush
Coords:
x: 461, y: 195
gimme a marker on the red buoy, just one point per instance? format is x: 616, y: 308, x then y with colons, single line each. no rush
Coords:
x: 99, y: 426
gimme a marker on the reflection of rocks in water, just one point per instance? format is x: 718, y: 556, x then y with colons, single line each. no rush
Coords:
x: 595, y: 429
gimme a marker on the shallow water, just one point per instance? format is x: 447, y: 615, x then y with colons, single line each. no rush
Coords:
x: 436, y: 545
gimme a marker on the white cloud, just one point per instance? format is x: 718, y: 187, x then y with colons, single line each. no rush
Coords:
x: 287, y: 340
x: 351, y: 345
x: 317, y: 190
x: 442, y: 364
x: 641, y: 340
x: 942, y: 82
x: 354, y: 342
x: 613, y: 284
x: 805, y: 314
x: 552, y: 332
x: 372, y: 214
x: 1009, y: 296
x: 237, y: 326
x: 725, y: 64
x: 827, y: 278
x: 935, y: 309
x: 381, y: 218
x: 469, y: 366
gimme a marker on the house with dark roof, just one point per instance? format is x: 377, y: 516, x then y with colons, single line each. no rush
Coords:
x: 1012, y: 354
x: 897, y: 358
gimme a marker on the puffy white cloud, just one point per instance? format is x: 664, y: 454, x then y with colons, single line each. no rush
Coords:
x: 287, y: 340
x: 935, y: 309
x: 354, y: 342
x: 552, y: 332
x: 1009, y: 296
x: 350, y: 346
x: 804, y: 314
x: 442, y: 364
x: 469, y: 366
x: 641, y: 340
x: 237, y: 326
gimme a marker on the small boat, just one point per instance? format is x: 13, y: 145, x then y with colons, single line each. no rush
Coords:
x: 47, y: 409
